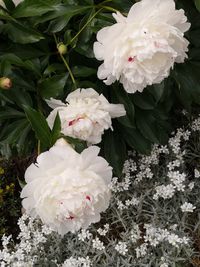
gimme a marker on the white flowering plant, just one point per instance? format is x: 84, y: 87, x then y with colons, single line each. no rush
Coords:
x: 83, y: 83
x: 152, y: 220
x: 132, y: 63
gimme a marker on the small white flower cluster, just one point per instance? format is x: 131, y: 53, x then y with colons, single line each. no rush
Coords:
x: 163, y: 262
x: 116, y: 186
x: 121, y: 247
x: 129, y: 202
x: 103, y: 231
x: 175, y: 142
x: 164, y: 265
x: 146, y: 168
x: 154, y: 236
x: 141, y: 251
x: 31, y: 237
x: 164, y: 191
x: 80, y: 262
x: 196, y: 173
x: 84, y: 235
x: 187, y: 207
x: 191, y: 185
x: 196, y: 125
x: 135, y: 233
x: 177, y: 180
x: 129, y: 168
x: 146, y: 163
x: 98, y: 244
x: 174, y: 164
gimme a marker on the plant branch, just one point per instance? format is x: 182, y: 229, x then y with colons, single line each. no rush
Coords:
x: 85, y: 25
x: 66, y: 64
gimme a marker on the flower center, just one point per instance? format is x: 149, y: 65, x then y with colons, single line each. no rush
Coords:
x: 75, y: 121
x: 131, y: 59
x: 88, y: 198
x: 70, y: 217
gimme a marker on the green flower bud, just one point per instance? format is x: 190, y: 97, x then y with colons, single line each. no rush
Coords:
x: 62, y: 49
x: 5, y: 83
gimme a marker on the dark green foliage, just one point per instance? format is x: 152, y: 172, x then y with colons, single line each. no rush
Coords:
x: 29, y: 35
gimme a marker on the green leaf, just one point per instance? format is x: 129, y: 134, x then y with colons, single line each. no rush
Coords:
x: 157, y: 90
x: 187, y: 78
x: 194, y: 36
x: 20, y: 97
x: 6, y: 97
x: 136, y: 140
x: 58, y: 24
x: 19, y: 33
x: 123, y: 6
x: 53, y: 68
x: 78, y: 145
x: 62, y: 20
x: 120, y: 96
x: 146, y: 124
x: 85, y: 50
x: 4, y: 15
x: 144, y: 100
x: 9, y: 4
x: 14, y: 131
x: 63, y: 12
x: 197, y: 4
x: 30, y: 8
x: 26, y: 51
x: 12, y: 59
x: 82, y: 71
x: 39, y: 125
x: 22, y: 141
x: 55, y: 133
x: 52, y: 87
x: 9, y: 113
x: 114, y: 149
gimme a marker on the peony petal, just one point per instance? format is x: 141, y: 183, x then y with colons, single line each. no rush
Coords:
x: 103, y: 72
x: 119, y: 17
x: 32, y: 172
x: 98, y: 49
x: 116, y: 110
x: 82, y: 93
x: 54, y: 103
x: 102, y: 34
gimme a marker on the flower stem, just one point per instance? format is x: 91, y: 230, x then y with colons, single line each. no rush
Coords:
x: 85, y: 25
x: 38, y: 148
x: 109, y: 8
x: 66, y: 64
x: 69, y: 70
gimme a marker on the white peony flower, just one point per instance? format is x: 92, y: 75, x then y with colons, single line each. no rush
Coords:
x: 140, y: 49
x: 16, y: 2
x: 86, y: 115
x: 67, y: 190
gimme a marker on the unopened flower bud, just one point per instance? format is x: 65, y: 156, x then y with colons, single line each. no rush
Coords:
x: 62, y: 49
x: 5, y: 83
